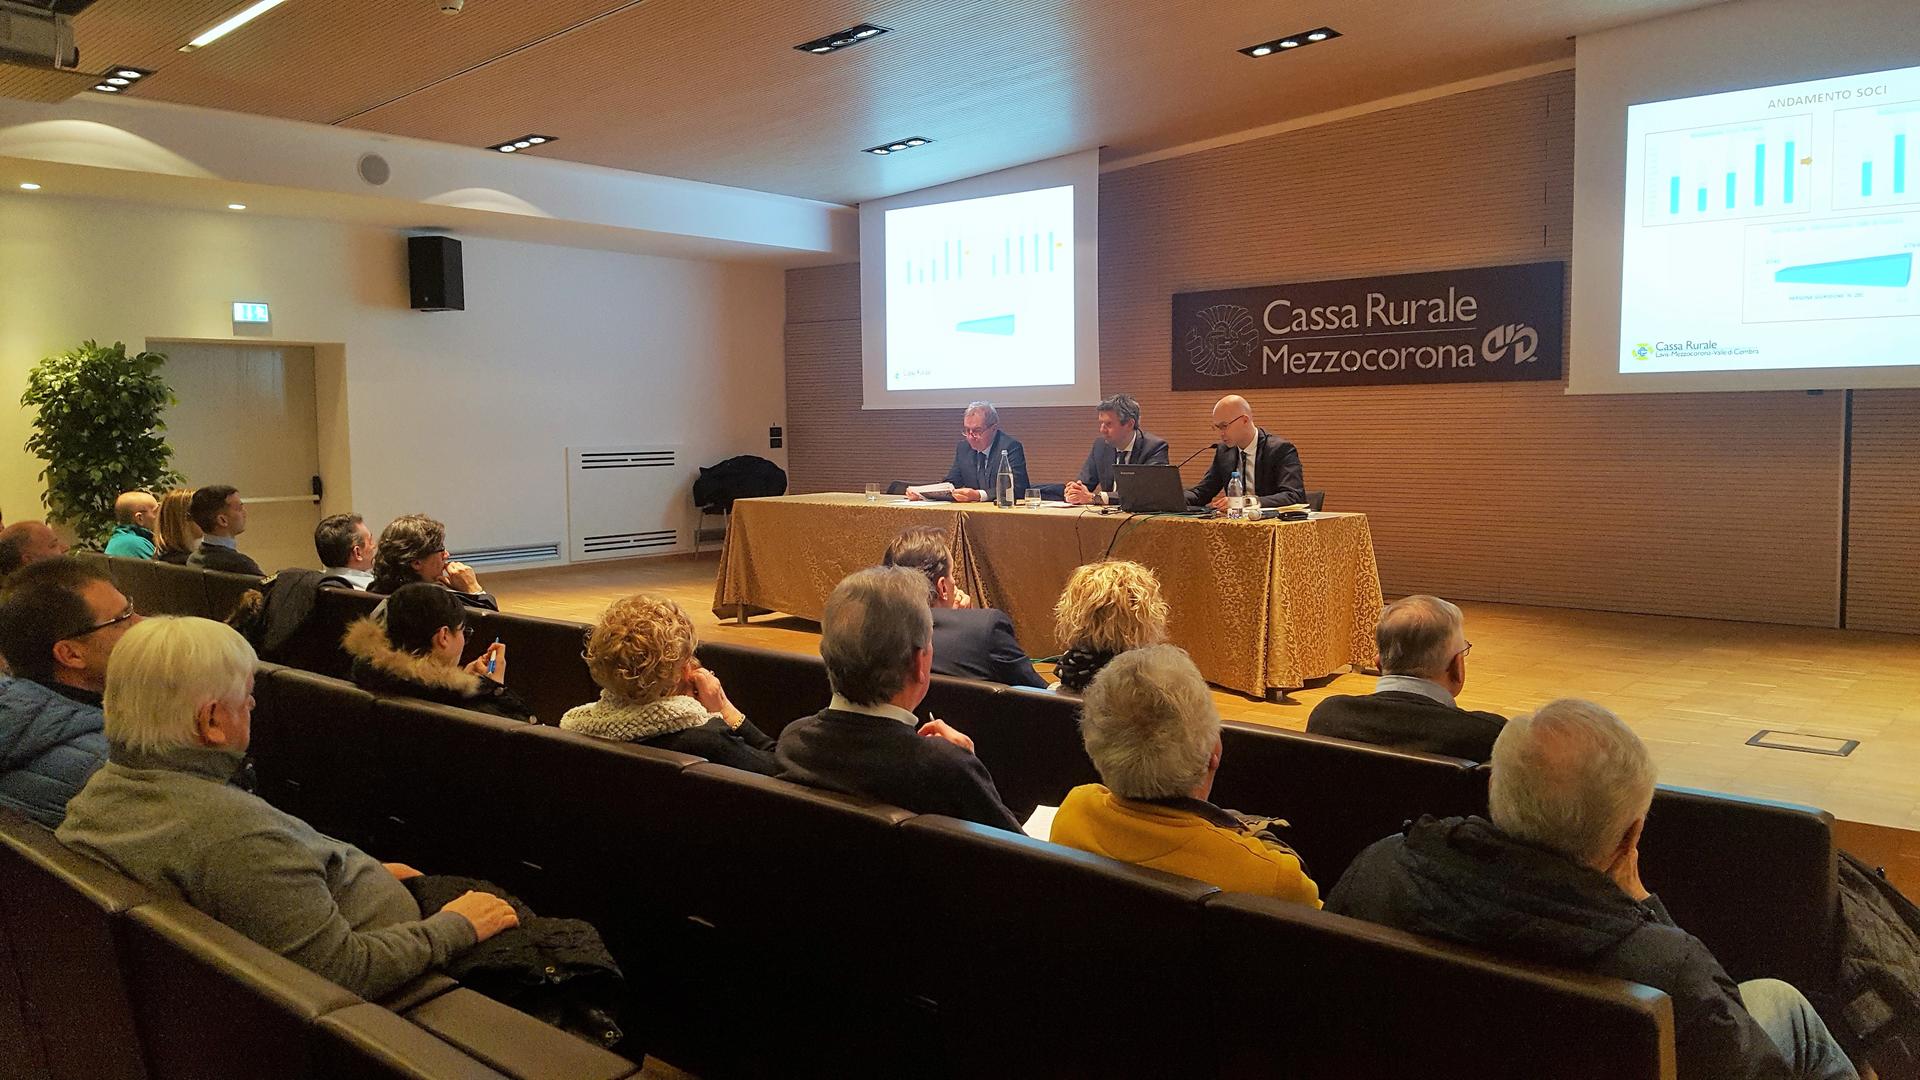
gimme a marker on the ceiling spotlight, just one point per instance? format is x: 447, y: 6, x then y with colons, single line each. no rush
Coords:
x: 507, y: 149
x: 535, y: 139
x: 1291, y: 42
x: 879, y: 151
x: 916, y: 142
x: 118, y: 81
x: 29, y: 187
x: 106, y: 89
x: 852, y: 35
x: 120, y: 77
x: 524, y: 142
x: 896, y: 146
x: 236, y: 206
x: 130, y: 73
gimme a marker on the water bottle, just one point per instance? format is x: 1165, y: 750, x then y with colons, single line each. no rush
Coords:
x: 1003, y: 482
x: 1234, y: 509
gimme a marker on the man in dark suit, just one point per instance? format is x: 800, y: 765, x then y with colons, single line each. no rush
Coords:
x: 221, y: 515
x: 1423, y: 651
x: 1121, y: 442
x: 969, y: 643
x: 1271, y: 461
x: 876, y: 638
x: 976, y: 457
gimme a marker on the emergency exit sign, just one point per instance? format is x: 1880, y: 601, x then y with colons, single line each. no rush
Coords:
x: 249, y: 312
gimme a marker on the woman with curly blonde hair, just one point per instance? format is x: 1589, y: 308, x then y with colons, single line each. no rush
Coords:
x: 654, y: 691
x: 1107, y: 608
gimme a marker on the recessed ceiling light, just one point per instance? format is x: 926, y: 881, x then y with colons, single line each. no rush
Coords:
x: 879, y: 151
x: 524, y: 142
x: 236, y: 206
x: 120, y: 78
x: 916, y: 142
x: 106, y: 89
x: 227, y: 26
x: 1291, y: 41
x: 535, y: 139
x: 29, y: 187
x: 130, y: 73
x: 118, y: 81
x: 896, y: 146
x: 852, y: 35
x: 507, y: 149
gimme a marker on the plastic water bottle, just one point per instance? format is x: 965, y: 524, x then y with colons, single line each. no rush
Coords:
x: 1003, y: 482
x: 1234, y: 507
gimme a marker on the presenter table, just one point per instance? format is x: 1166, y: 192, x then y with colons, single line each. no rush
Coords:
x: 1261, y: 606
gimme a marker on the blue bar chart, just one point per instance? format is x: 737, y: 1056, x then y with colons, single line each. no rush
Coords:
x: 1876, y: 155
x: 1752, y: 169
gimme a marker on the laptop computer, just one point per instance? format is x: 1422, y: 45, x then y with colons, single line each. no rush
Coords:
x: 1149, y: 489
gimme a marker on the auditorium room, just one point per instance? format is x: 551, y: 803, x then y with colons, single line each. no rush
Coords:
x: 616, y: 539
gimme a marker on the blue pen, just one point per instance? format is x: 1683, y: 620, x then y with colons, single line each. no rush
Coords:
x: 492, y: 656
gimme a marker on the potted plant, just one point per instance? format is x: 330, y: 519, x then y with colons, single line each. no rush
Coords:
x: 98, y: 428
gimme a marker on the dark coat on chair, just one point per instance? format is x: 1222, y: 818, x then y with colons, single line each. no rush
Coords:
x: 220, y: 557
x: 1277, y: 479
x: 877, y: 757
x: 1407, y: 721
x: 969, y: 471
x: 978, y: 643
x: 1097, y: 473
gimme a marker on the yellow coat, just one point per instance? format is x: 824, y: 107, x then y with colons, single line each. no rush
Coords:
x: 1180, y: 842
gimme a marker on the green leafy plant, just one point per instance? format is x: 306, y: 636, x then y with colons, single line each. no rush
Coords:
x: 99, y: 431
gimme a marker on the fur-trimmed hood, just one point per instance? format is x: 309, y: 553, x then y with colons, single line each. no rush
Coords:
x: 366, y: 641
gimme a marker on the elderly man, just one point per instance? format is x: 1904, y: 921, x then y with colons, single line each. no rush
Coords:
x: 222, y: 516
x: 162, y: 811
x: 24, y: 543
x: 1151, y: 728
x: 876, y: 639
x: 1554, y: 878
x: 59, y: 623
x: 976, y: 457
x: 346, y: 549
x: 134, y: 514
x: 971, y: 643
x: 1122, y: 442
x: 1423, y: 652
x: 1268, y: 465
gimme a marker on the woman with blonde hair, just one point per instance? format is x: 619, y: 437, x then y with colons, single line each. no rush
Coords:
x: 1107, y: 608
x: 176, y: 535
x: 653, y: 690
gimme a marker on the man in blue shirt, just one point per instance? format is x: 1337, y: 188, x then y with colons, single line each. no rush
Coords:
x: 132, y: 538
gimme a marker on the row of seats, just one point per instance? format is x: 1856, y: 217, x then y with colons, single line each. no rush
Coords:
x: 771, y: 929
x: 1754, y: 879
x: 102, y: 980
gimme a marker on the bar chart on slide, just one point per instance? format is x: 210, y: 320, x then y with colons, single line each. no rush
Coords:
x: 1757, y: 168
x: 1876, y: 155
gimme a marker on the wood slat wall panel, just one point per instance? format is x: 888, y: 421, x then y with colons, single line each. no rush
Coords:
x: 1883, y: 537
x: 1669, y: 504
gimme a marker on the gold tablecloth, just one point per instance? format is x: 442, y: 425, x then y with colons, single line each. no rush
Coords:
x: 1260, y: 605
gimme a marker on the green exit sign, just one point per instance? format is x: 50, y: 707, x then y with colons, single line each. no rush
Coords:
x: 246, y: 312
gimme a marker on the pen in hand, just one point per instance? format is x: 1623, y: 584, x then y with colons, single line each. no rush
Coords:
x: 493, y: 655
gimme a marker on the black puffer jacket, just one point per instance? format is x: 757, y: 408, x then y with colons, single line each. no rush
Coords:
x: 379, y: 668
x: 1463, y: 880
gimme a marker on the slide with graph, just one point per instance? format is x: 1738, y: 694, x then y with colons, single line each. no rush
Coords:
x: 1774, y: 228
x: 979, y: 292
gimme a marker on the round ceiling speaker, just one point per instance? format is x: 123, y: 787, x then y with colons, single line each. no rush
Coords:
x: 374, y: 169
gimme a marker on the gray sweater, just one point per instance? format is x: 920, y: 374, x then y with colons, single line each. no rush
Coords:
x: 170, y: 821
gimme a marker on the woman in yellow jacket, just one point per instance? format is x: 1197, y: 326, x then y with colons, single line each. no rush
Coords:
x: 1151, y: 729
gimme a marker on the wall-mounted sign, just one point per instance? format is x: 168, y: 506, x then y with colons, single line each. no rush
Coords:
x: 1486, y: 324
x: 250, y: 312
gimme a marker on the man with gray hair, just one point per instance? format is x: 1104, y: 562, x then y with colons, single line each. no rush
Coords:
x: 976, y: 457
x: 1122, y: 441
x: 1423, y: 655
x: 876, y: 638
x: 1554, y: 877
x: 1151, y: 728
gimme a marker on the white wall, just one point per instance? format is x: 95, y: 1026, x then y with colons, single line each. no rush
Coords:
x: 462, y: 415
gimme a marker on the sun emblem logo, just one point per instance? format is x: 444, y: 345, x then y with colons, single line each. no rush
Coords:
x: 1223, y: 342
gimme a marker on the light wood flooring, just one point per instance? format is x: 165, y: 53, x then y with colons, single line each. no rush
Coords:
x: 1695, y: 689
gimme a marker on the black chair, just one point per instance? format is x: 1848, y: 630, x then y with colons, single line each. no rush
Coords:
x: 545, y: 664
x: 438, y: 769
x: 223, y: 591
x: 1316, y: 501
x: 316, y: 645
x: 1029, y: 741
x: 158, y: 588
x: 772, y: 687
x: 316, y: 751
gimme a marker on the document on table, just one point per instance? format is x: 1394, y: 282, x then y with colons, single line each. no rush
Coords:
x: 933, y: 492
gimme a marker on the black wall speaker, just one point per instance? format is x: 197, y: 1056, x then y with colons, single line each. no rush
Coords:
x: 435, y: 282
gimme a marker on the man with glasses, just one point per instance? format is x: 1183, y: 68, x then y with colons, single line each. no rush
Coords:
x: 1268, y: 465
x: 1423, y: 654
x: 59, y: 622
x: 976, y: 457
x: 1122, y: 442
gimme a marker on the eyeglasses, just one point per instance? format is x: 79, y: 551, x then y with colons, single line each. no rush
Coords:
x: 971, y: 431
x: 1464, y: 651
x: 97, y: 627
x: 1228, y: 424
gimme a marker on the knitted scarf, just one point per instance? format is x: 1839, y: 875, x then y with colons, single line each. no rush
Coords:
x: 628, y: 721
x: 1078, y: 666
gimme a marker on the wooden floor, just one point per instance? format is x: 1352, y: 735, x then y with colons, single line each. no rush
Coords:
x: 1694, y: 689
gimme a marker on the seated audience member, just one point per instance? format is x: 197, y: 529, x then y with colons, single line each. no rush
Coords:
x: 179, y: 708
x: 654, y: 691
x: 414, y: 548
x: 222, y: 517
x: 876, y: 639
x: 1106, y: 609
x: 1268, y: 465
x: 24, y: 543
x: 1151, y: 728
x: 972, y: 643
x: 1122, y: 441
x: 1554, y: 878
x: 59, y: 622
x: 976, y: 457
x: 1423, y: 654
x: 135, y: 513
x: 346, y: 549
x: 412, y: 647
x: 178, y: 535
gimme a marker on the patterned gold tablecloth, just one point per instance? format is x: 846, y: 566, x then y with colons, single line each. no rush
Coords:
x: 1260, y: 605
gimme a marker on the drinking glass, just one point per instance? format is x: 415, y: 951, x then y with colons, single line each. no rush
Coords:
x: 1033, y: 498
x: 873, y: 492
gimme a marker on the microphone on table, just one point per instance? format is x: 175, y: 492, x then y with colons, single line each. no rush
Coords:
x: 1197, y: 453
